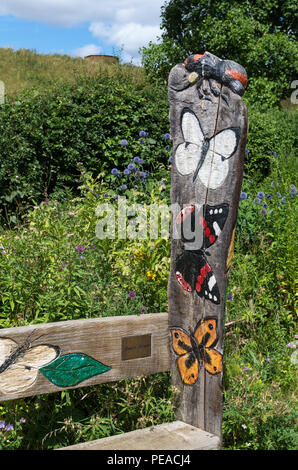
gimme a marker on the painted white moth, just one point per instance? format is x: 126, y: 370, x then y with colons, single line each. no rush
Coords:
x: 205, y: 158
x: 19, y: 364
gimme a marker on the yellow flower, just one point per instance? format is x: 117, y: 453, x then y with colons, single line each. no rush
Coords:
x: 150, y: 275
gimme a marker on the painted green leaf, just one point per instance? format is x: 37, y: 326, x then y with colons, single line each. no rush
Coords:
x: 71, y: 369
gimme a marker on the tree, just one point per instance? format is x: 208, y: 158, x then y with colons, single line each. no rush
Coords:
x: 259, y: 34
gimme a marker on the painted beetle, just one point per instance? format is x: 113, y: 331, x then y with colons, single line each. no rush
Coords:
x: 226, y: 72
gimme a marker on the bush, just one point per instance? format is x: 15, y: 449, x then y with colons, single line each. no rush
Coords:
x: 45, y: 134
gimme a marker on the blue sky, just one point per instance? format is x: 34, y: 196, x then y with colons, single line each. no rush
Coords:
x: 80, y: 27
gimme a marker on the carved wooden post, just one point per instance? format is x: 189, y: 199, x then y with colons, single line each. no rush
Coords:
x: 209, y: 129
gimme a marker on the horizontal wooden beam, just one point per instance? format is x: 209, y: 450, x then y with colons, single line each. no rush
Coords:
x: 55, y: 356
x: 168, y: 436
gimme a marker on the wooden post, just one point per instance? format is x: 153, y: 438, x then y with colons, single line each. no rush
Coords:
x: 209, y: 129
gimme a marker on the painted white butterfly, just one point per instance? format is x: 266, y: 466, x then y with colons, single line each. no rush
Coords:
x: 205, y: 158
x: 19, y: 364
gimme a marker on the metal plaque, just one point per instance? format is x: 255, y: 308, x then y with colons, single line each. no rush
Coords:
x: 134, y: 347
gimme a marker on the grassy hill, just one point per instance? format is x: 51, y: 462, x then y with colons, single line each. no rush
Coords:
x: 25, y: 68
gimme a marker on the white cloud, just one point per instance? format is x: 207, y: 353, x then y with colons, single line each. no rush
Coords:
x: 128, y: 23
x: 88, y: 49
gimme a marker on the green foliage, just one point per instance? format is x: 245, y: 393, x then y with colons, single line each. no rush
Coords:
x: 44, y: 134
x: 261, y: 36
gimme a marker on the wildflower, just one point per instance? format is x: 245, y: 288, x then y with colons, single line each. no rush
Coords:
x: 247, y: 151
x: 268, y: 359
x: 3, y: 252
x: 126, y: 172
x: 150, y: 275
x: 244, y: 426
x: 265, y: 205
x: 2, y: 424
x: 243, y: 196
x: 114, y: 171
x: 115, y: 197
x: 143, y: 309
x: 82, y: 257
x: 70, y: 235
x: 78, y: 181
x: 272, y: 184
x: 263, y: 212
x: 261, y: 195
x: 170, y: 160
x: 293, y: 190
x: 284, y: 200
x: 106, y: 195
x: 143, y: 134
x: 136, y: 159
x: 269, y: 196
x: 131, y: 166
x: 167, y: 147
x: 230, y: 296
x: 8, y: 427
x: 80, y: 248
x: 166, y: 136
x: 257, y: 200
x: 141, y: 161
x: 132, y: 294
x: 71, y: 213
x: 279, y: 195
x: 245, y: 368
x: 47, y: 201
x: 23, y: 420
x: 123, y: 142
x: 124, y: 187
x: 142, y: 141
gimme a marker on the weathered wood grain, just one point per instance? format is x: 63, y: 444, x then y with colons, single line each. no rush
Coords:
x: 101, y: 339
x: 200, y: 404
x: 169, y: 436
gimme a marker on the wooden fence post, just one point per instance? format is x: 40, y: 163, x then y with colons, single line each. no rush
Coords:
x: 209, y: 129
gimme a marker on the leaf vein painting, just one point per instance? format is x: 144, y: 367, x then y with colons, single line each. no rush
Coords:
x: 72, y: 369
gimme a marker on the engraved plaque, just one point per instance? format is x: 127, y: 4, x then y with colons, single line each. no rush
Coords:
x: 133, y: 347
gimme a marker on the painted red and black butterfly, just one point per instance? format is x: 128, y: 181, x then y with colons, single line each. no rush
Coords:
x: 192, y: 270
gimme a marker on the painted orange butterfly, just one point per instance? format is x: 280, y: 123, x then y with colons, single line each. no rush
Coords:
x: 196, y: 349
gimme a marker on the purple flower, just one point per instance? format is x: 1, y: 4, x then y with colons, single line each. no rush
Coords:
x: 2, y: 424
x: 136, y: 159
x: 132, y: 294
x: 245, y: 368
x: 47, y: 201
x: 142, y: 141
x: 246, y: 151
x: 170, y: 160
x: 9, y: 427
x: 263, y: 212
x: 257, y: 201
x: 141, y: 161
x: 131, y: 166
x: 123, y: 142
x: 268, y: 359
x: 279, y: 195
x: 80, y: 248
x: 293, y: 190
x: 126, y: 172
x: 82, y: 257
x: 230, y: 296
x: 261, y: 195
x: 166, y: 136
x: 114, y: 171
x: 265, y: 205
x: 143, y: 309
x: 243, y: 196
x: 143, y: 134
x: 106, y: 195
x: 269, y: 196
x: 124, y: 186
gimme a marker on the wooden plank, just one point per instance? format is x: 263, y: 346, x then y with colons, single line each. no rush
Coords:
x: 169, y: 436
x: 50, y: 357
x: 209, y: 129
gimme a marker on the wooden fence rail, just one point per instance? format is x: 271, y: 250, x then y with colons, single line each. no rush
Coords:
x: 54, y: 356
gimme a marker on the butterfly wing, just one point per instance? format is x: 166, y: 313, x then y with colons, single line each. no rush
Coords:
x: 7, y: 346
x: 213, y: 221
x: 212, y: 361
x: 22, y: 373
x: 206, y: 337
x: 206, y: 332
x: 188, y: 154
x: 187, y: 363
x: 215, y: 167
x: 186, y: 270
x: 205, y: 283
